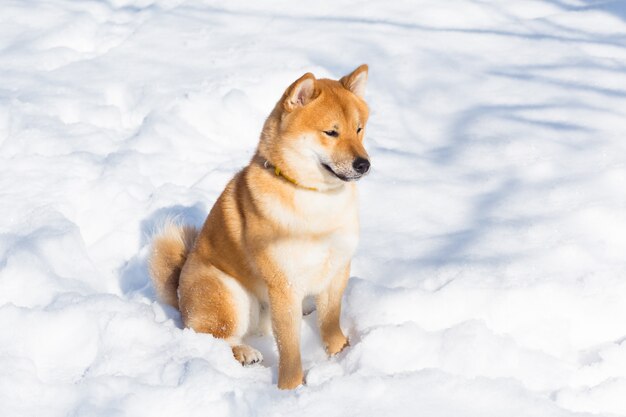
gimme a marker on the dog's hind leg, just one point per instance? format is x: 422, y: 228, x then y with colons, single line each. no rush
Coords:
x: 213, y: 302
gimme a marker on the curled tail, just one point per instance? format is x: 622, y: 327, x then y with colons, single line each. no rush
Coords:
x: 168, y: 254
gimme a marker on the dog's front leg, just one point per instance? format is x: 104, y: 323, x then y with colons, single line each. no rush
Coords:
x: 329, y: 312
x: 286, y: 312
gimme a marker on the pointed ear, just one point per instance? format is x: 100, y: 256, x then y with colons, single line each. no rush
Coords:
x: 356, y: 80
x: 300, y: 93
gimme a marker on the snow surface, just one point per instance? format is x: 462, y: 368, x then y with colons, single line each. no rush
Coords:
x: 490, y: 278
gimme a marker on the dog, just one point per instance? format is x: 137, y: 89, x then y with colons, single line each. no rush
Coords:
x: 284, y: 228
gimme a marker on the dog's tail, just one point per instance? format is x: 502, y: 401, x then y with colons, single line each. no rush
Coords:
x: 170, y: 248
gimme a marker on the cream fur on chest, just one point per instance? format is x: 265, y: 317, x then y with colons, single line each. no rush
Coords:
x: 323, y: 236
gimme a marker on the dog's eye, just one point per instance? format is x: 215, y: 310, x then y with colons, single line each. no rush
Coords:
x: 332, y: 133
x: 359, y: 130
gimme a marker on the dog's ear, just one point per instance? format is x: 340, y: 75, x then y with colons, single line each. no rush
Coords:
x: 356, y: 80
x: 300, y: 93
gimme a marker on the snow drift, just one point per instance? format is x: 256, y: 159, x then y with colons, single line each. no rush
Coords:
x: 490, y: 276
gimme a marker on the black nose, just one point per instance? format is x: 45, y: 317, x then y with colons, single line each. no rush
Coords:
x: 361, y: 165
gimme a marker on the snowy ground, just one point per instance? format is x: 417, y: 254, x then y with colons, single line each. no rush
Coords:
x: 491, y: 275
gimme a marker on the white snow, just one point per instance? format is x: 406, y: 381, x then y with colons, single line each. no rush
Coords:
x: 490, y: 278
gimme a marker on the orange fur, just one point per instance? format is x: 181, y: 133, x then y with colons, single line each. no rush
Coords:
x: 268, y: 242
x: 169, y: 252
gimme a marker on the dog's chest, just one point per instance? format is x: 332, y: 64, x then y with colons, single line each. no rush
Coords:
x: 323, y: 234
x: 309, y: 263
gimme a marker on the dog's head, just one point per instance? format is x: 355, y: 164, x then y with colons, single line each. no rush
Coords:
x: 315, y: 133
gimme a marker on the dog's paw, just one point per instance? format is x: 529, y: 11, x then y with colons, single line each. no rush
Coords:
x: 290, y: 381
x: 336, y: 344
x: 247, y: 355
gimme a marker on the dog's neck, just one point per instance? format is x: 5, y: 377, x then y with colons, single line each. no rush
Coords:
x: 268, y: 165
x: 277, y: 171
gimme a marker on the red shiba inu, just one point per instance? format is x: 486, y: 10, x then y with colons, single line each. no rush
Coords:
x: 285, y: 228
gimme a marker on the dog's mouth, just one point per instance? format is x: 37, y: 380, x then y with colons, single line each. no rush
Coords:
x: 340, y: 176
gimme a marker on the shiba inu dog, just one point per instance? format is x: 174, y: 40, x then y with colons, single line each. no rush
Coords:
x: 284, y: 228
